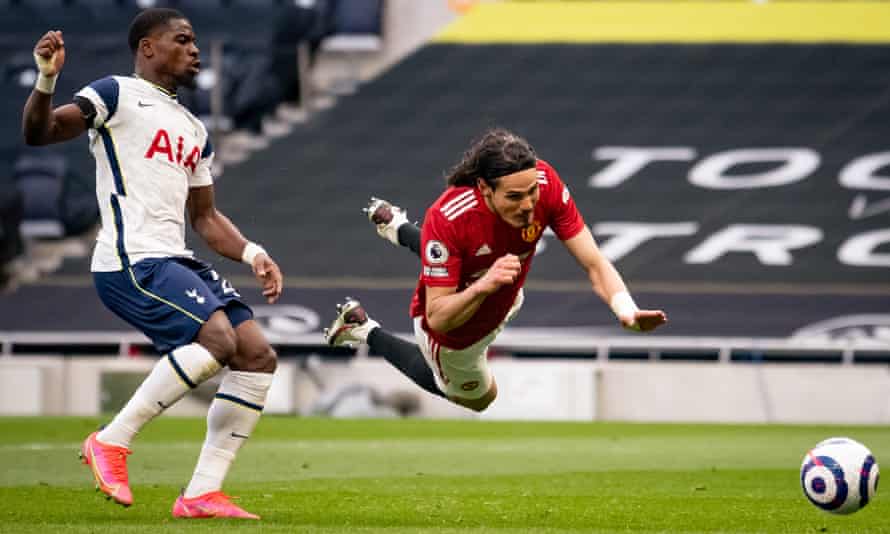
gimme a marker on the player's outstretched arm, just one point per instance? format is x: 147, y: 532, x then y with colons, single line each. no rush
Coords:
x: 607, y: 283
x: 224, y: 237
x: 42, y: 125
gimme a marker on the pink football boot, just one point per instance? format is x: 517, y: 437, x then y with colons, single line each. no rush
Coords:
x: 109, y: 466
x: 212, y: 504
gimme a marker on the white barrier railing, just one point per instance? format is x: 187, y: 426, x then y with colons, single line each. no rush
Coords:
x: 556, y: 374
x: 553, y: 341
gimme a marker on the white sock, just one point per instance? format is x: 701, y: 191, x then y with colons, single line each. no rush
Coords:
x: 232, y: 417
x: 170, y: 379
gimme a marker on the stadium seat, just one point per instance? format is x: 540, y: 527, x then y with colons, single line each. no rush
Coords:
x: 356, y: 30
x: 11, y: 212
x: 256, y: 19
x: 18, y: 19
x: 112, y: 15
x: 208, y: 17
x: 65, y: 15
x: 358, y: 17
x: 39, y: 178
x: 57, y: 202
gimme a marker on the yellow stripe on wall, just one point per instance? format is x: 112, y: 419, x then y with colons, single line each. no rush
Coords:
x: 672, y: 22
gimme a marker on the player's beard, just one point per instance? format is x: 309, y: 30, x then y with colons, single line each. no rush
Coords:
x: 520, y: 219
x: 527, y: 217
x: 188, y: 80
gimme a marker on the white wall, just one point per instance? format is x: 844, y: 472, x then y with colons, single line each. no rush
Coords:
x: 711, y: 392
x: 52, y: 385
x: 580, y: 390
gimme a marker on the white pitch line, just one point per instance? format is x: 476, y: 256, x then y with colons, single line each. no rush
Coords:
x: 519, y: 445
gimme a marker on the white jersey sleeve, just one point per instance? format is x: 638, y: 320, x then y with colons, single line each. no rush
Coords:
x: 202, y: 176
x: 104, y: 95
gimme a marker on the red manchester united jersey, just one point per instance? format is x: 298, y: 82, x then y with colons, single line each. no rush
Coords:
x: 461, y: 238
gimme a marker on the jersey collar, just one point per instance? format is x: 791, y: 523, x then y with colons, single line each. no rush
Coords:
x: 157, y: 87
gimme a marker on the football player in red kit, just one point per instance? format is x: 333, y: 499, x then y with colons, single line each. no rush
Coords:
x: 476, y: 246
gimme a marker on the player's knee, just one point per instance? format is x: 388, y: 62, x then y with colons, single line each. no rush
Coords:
x: 265, y: 360
x: 260, y: 358
x: 218, y: 337
x: 223, y: 345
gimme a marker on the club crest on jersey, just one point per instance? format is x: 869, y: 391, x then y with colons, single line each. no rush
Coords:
x: 531, y: 232
x: 162, y: 146
x: 436, y: 253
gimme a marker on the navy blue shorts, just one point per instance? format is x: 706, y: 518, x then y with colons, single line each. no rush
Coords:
x: 169, y: 299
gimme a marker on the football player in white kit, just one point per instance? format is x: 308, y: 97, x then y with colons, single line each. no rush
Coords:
x: 153, y: 160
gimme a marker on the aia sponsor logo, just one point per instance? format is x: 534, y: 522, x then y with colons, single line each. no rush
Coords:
x: 173, y: 150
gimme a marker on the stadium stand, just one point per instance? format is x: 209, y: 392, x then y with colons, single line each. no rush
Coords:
x: 736, y: 183
x: 253, y: 70
x: 356, y: 30
x: 250, y: 50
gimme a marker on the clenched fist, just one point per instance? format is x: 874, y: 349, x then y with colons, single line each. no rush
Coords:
x: 504, y: 271
x: 49, y: 53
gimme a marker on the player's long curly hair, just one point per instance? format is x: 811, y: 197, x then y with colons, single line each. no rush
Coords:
x: 497, y: 153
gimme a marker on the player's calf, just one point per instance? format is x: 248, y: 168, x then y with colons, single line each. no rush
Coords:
x: 255, y: 359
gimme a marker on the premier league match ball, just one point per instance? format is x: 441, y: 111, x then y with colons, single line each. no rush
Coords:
x: 839, y: 475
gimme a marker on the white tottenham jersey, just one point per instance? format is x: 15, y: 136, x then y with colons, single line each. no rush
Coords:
x: 149, y: 151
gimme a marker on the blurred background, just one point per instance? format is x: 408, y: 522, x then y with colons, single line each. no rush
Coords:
x: 730, y: 157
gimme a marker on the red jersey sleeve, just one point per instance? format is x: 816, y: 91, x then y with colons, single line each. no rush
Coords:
x: 440, y: 253
x: 565, y: 220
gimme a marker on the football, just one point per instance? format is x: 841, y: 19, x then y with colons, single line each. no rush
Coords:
x: 839, y: 475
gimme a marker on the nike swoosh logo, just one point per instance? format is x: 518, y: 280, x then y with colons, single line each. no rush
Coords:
x: 205, y: 510
x: 143, y: 105
x: 237, y: 435
x: 161, y: 404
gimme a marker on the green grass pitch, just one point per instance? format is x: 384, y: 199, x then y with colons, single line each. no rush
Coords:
x: 445, y: 477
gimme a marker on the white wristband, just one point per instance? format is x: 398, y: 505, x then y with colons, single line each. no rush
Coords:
x: 623, y: 305
x: 250, y: 252
x: 46, y: 84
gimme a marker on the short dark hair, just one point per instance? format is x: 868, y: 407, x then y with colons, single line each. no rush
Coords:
x: 147, y: 20
x: 497, y: 153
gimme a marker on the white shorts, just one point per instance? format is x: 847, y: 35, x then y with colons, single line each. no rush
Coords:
x: 463, y: 372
